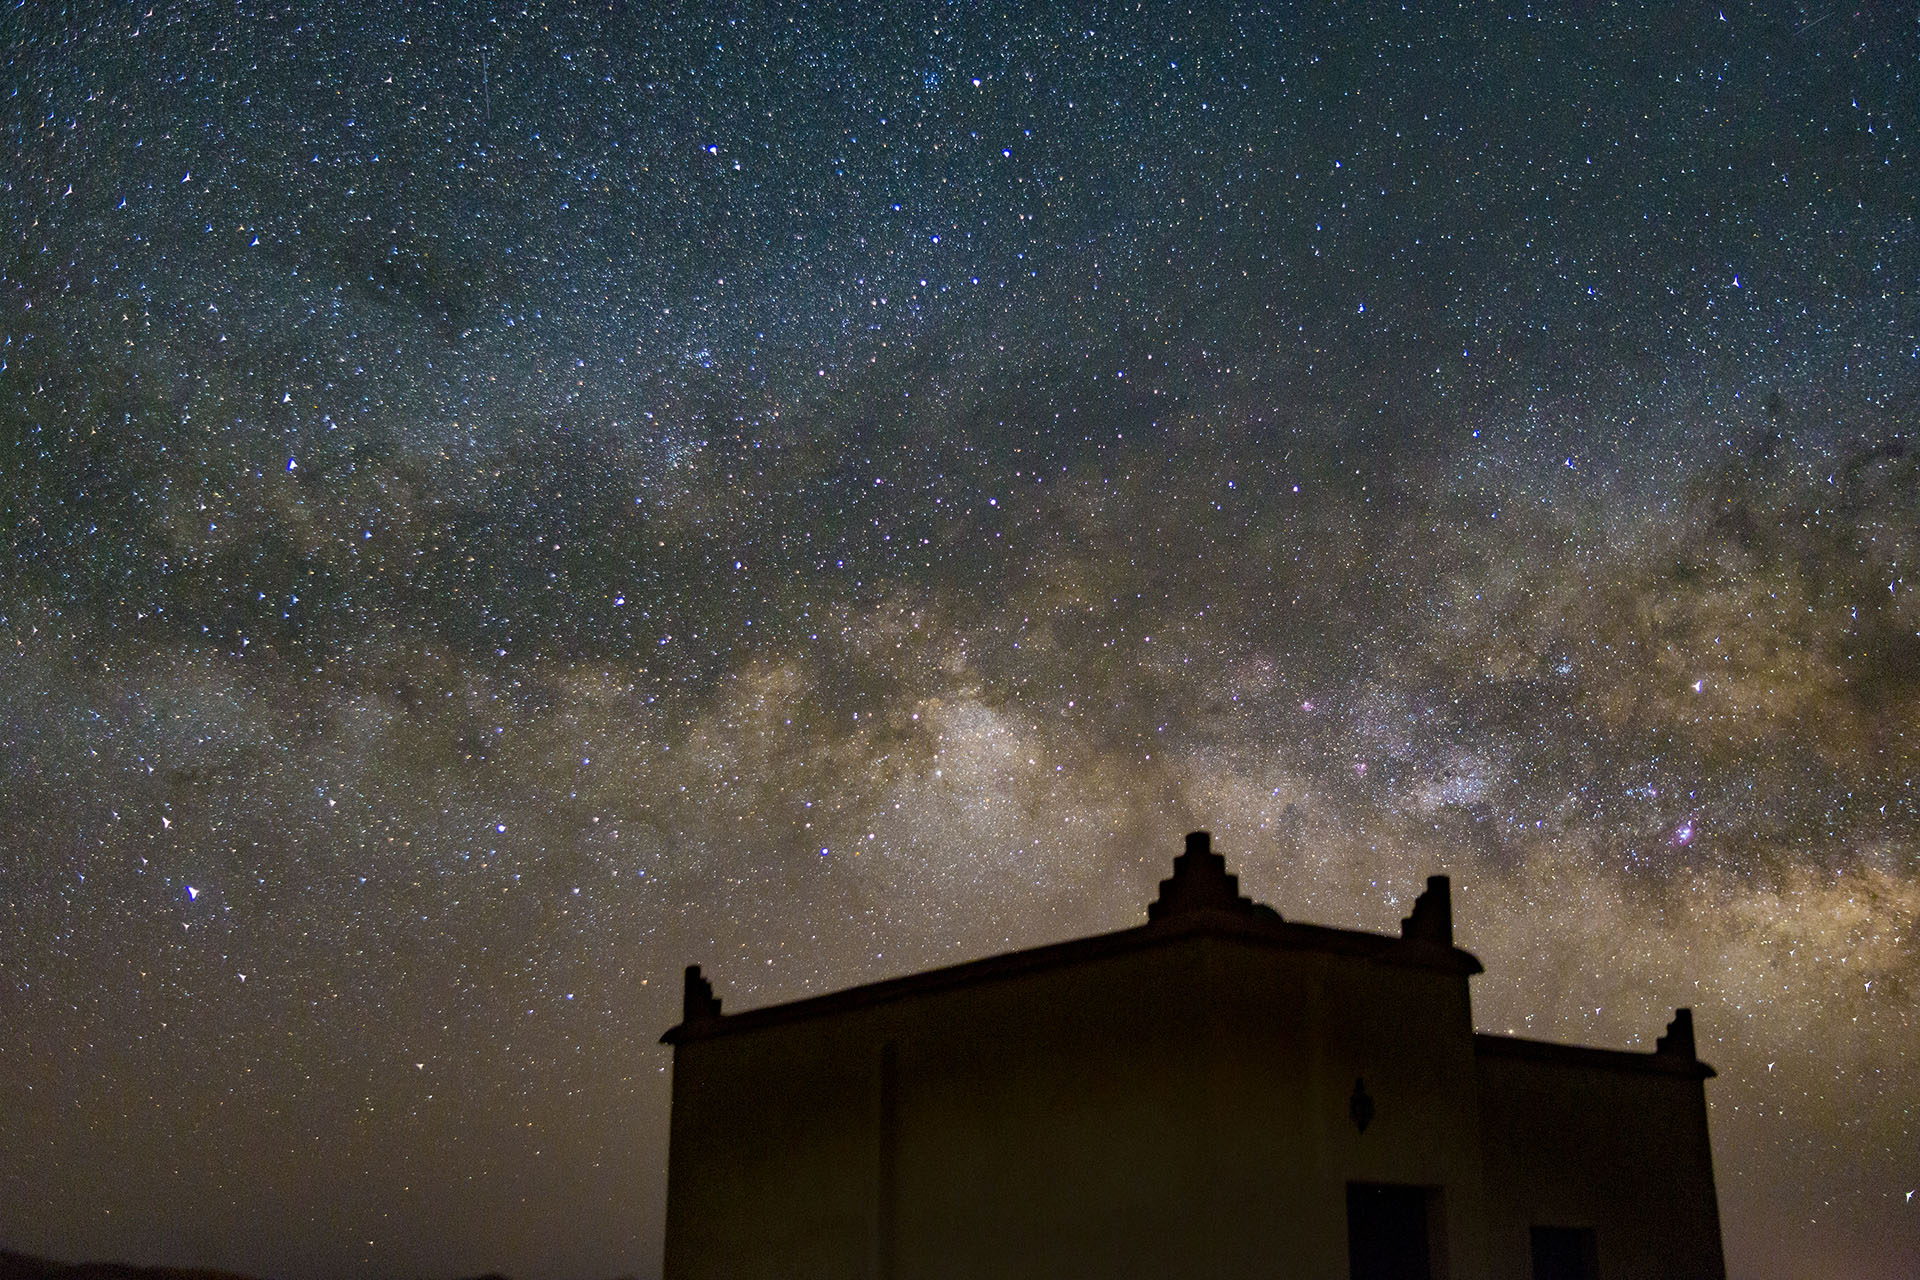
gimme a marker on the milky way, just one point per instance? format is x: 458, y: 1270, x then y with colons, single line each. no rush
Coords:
x: 504, y: 503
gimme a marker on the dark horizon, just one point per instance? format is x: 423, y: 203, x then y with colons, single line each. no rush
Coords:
x: 19, y: 1266
x: 506, y: 502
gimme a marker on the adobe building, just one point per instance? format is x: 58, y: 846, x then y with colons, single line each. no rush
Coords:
x: 1216, y: 1093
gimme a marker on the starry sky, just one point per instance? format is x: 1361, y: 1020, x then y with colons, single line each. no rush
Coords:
x: 504, y: 502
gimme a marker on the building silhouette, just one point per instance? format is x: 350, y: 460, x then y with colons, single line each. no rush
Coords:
x: 1216, y: 1093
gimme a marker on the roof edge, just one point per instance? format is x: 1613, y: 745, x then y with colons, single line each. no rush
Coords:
x: 1235, y: 925
x: 1488, y: 1044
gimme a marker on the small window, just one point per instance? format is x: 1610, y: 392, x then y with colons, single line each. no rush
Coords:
x: 1565, y: 1253
x: 1392, y: 1231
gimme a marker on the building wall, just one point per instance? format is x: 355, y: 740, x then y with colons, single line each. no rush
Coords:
x: 1619, y: 1150
x: 1173, y: 1111
x: 1296, y: 1032
x: 771, y: 1154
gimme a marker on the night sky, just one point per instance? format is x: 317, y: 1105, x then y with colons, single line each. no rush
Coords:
x: 502, y: 503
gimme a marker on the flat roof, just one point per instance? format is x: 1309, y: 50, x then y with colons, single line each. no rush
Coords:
x: 1241, y: 922
x: 1486, y: 1044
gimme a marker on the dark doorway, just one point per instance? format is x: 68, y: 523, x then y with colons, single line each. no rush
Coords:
x: 1565, y: 1253
x: 1389, y: 1236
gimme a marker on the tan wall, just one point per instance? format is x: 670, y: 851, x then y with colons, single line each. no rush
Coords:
x: 1176, y: 1111
x: 1296, y: 1031
x: 771, y: 1154
x: 1623, y: 1152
